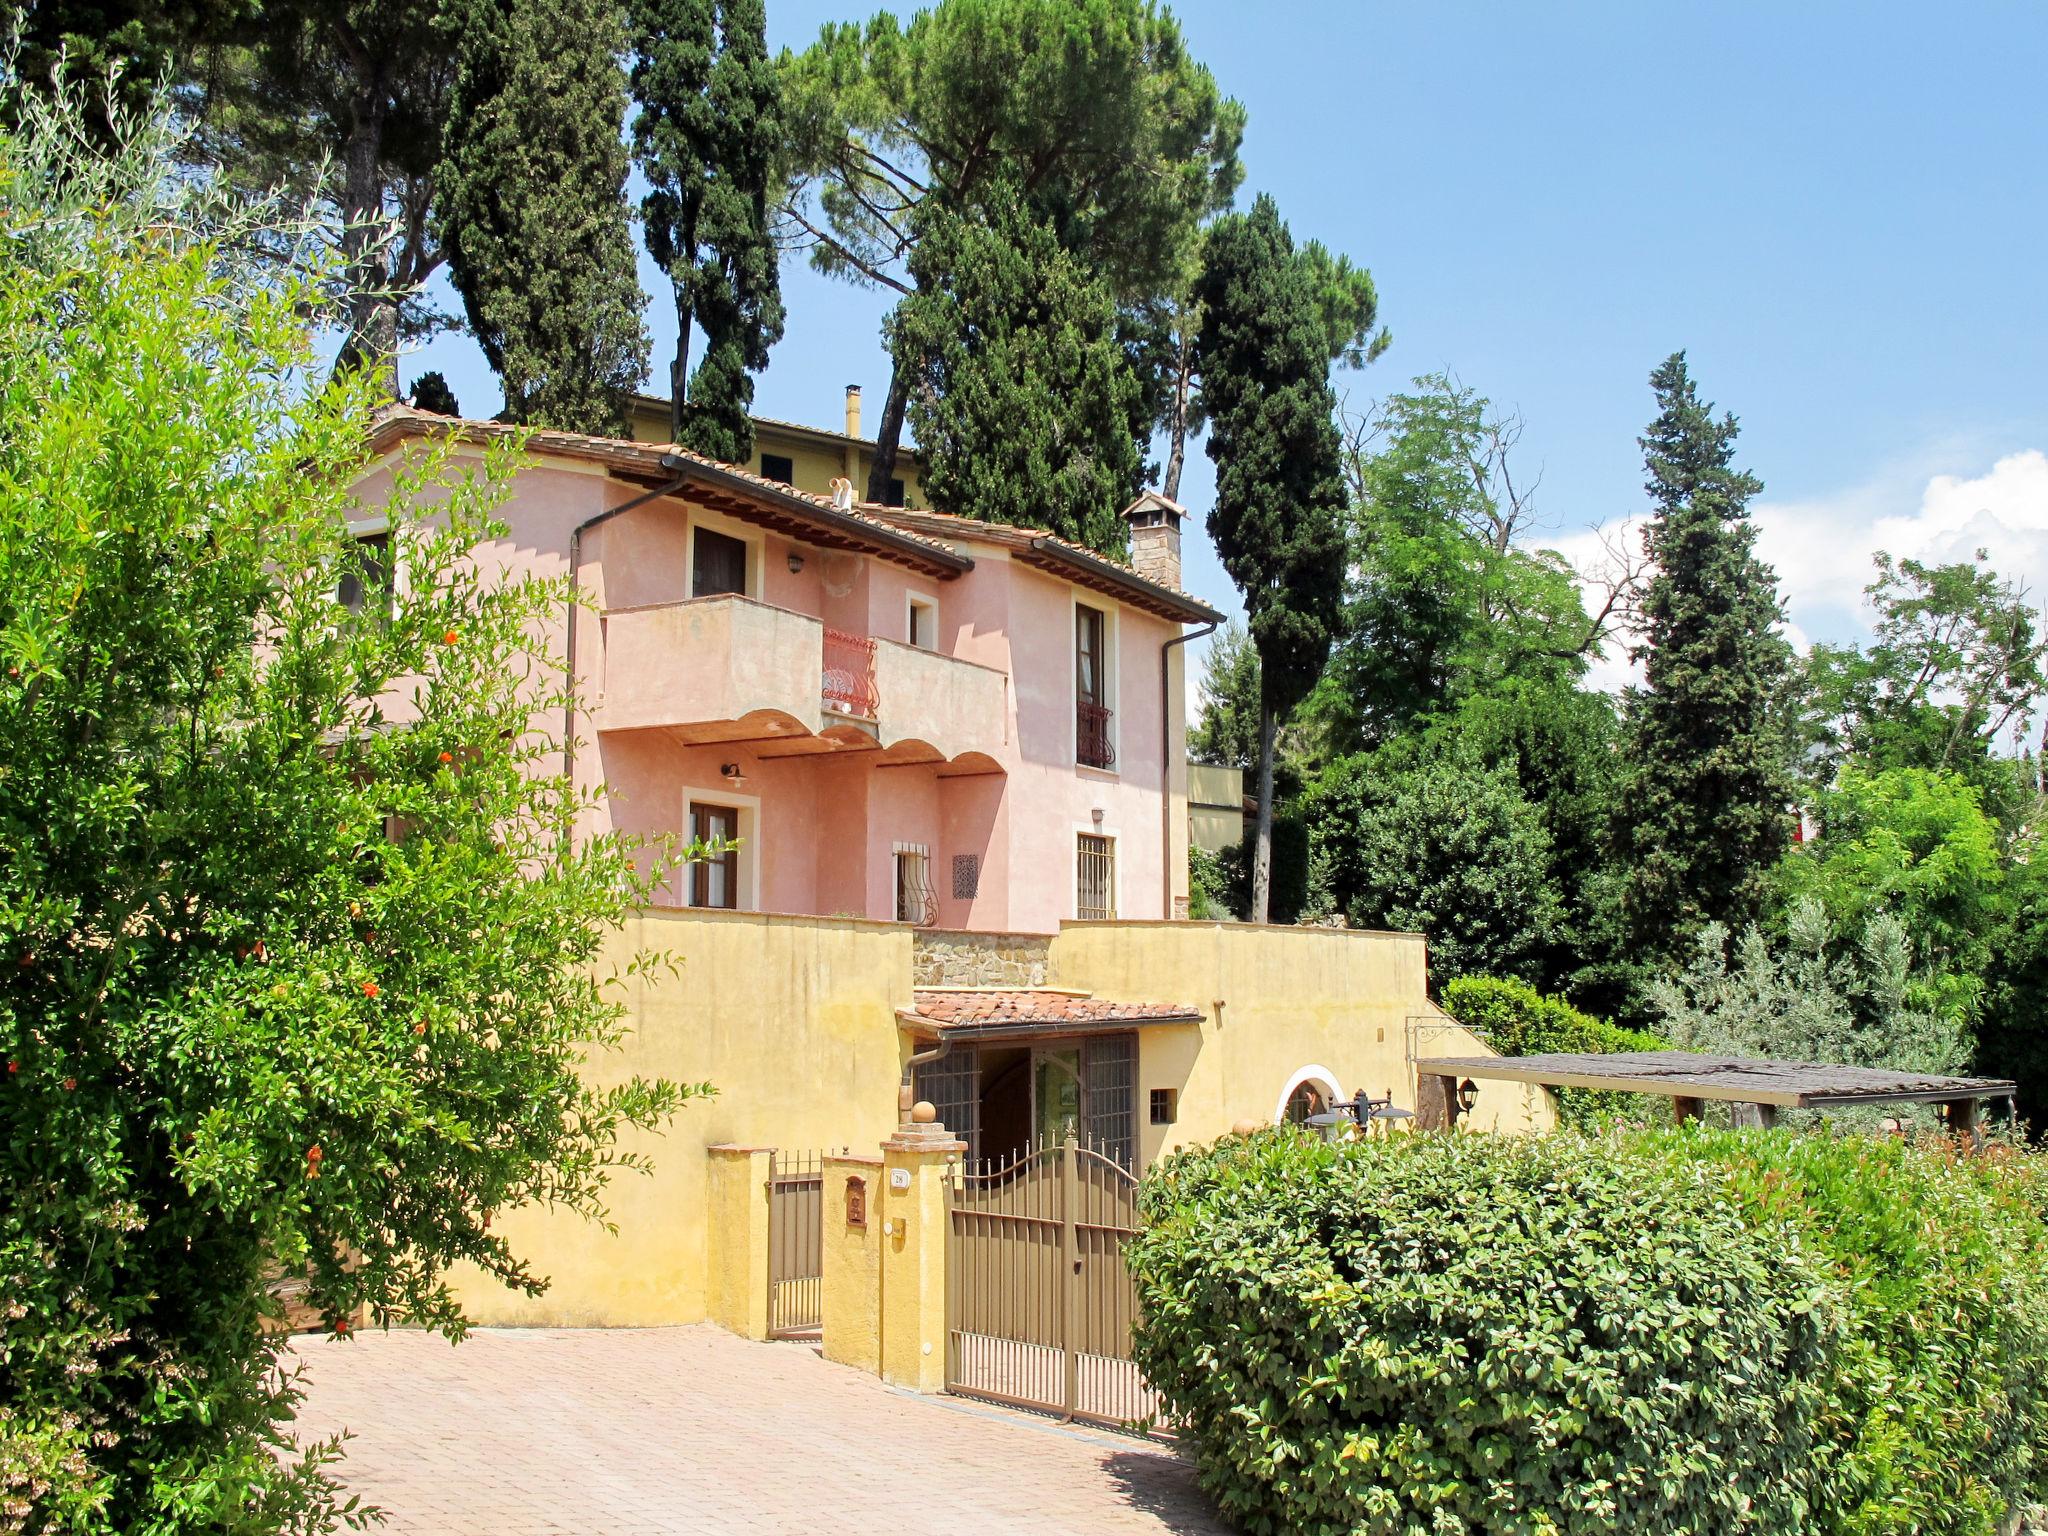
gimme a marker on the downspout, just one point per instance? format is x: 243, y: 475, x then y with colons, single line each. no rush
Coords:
x: 1166, y: 759
x: 668, y: 461
x: 906, y: 1094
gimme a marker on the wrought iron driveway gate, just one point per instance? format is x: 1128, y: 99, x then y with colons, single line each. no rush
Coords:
x: 1039, y: 1305
x: 796, y: 1243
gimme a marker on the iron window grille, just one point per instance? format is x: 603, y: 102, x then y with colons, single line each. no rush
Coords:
x: 1095, y: 892
x: 916, y: 901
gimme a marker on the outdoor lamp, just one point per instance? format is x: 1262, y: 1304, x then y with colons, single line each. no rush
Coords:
x: 732, y: 773
x: 1468, y: 1095
x: 796, y: 562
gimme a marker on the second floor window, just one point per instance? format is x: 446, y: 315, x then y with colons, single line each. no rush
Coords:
x: 778, y: 466
x: 1092, y: 745
x: 718, y: 564
x: 1095, y: 876
x: 715, y: 882
x: 916, y: 901
x: 365, y: 583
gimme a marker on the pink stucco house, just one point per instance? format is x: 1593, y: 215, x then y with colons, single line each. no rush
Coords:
x: 894, y: 714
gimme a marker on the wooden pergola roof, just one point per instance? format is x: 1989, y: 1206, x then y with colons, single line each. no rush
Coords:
x: 1735, y: 1079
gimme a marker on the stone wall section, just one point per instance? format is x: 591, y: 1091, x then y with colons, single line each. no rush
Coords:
x: 950, y: 958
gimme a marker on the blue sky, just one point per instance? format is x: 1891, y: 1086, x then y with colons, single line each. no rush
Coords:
x: 1837, y: 210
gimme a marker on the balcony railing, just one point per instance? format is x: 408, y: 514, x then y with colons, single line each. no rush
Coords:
x: 1092, y: 748
x: 849, y: 685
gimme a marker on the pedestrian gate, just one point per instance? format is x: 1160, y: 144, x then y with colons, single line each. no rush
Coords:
x: 1039, y: 1305
x: 796, y: 1242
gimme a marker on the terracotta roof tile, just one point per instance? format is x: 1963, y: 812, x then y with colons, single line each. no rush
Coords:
x: 973, y: 1009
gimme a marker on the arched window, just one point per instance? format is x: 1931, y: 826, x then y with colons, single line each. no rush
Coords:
x: 1307, y: 1099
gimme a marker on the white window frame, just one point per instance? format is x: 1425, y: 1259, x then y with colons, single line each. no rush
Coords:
x: 753, y: 538
x: 748, y: 897
x: 1108, y: 608
x: 1091, y: 828
x: 913, y: 601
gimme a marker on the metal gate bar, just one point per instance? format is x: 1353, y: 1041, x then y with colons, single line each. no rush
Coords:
x: 796, y: 1243
x: 1039, y: 1302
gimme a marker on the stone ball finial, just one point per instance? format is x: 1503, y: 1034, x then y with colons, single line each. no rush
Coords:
x: 1247, y: 1127
x: 923, y: 1112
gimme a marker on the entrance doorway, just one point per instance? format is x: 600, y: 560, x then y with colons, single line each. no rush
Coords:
x: 1005, y: 1099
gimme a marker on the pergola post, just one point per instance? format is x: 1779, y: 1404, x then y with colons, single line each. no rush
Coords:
x: 1436, y: 1100
x: 1962, y: 1120
x: 1683, y: 1109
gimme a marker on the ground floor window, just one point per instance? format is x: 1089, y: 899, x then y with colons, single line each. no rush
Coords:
x: 1307, y: 1099
x: 1095, y: 882
x: 715, y: 882
x: 1005, y: 1100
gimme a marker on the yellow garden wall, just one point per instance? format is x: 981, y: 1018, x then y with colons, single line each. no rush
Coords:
x: 793, y: 1020
x: 1342, y: 1006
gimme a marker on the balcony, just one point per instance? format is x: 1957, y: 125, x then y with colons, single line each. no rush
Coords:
x: 729, y: 669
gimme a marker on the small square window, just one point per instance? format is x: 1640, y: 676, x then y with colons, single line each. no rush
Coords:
x: 778, y: 466
x: 366, y: 580
x: 923, y: 624
x: 1165, y: 1105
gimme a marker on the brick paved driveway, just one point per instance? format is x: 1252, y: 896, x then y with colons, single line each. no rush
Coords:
x: 634, y: 1432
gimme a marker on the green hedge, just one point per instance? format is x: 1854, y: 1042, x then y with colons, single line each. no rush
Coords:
x: 1672, y: 1332
x: 1517, y: 1020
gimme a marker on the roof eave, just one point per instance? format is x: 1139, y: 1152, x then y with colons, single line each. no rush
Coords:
x: 917, y: 551
x: 1123, y: 581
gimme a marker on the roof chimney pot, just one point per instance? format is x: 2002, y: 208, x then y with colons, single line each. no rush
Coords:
x: 853, y: 410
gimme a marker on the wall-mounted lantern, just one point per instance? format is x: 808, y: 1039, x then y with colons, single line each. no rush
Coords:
x: 1468, y: 1096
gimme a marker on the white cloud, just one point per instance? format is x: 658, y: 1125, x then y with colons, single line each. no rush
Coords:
x: 1822, y: 548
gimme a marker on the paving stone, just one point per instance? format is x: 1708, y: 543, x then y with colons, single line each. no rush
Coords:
x: 679, y: 1431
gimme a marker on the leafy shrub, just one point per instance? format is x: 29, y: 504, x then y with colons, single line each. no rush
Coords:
x: 1940, y: 1262
x: 1680, y: 1330
x: 1517, y: 1020
x: 1478, y: 1334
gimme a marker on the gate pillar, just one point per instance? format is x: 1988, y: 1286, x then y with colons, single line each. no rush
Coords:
x: 736, y: 1289
x: 912, y: 1206
x: 851, y: 1271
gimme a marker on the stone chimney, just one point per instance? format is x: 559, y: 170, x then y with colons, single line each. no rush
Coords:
x: 853, y: 410
x: 1155, y: 538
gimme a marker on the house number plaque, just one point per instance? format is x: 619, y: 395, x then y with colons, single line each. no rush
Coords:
x: 857, y: 1203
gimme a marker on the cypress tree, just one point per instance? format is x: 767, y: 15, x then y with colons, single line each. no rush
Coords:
x: 708, y: 127
x: 1264, y: 361
x: 1708, y: 787
x: 1024, y: 402
x: 533, y: 208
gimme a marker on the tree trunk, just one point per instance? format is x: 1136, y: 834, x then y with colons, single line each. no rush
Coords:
x: 679, y: 371
x: 888, y: 434
x: 1262, y: 849
x: 372, y: 342
x: 1177, y: 426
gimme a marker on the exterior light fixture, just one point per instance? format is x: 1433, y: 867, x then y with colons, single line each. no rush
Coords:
x: 1468, y: 1095
x: 1097, y: 815
x: 732, y: 773
x: 796, y: 562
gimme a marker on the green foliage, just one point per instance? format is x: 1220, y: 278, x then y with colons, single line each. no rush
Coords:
x: 1208, y: 886
x: 1350, y: 305
x: 76, y: 46
x: 2012, y: 1037
x: 1517, y: 1020
x: 1810, y: 996
x: 1263, y: 358
x: 430, y: 392
x: 1708, y: 796
x: 1023, y: 401
x: 1442, y: 601
x: 1681, y: 1330
x: 1939, y: 1393
x: 301, y: 954
x: 532, y: 207
x: 1120, y: 140
x: 1435, y: 846
x: 1955, y: 659
x: 706, y: 137
x: 1917, y: 844
x: 1416, y: 1334
x: 1227, y: 732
